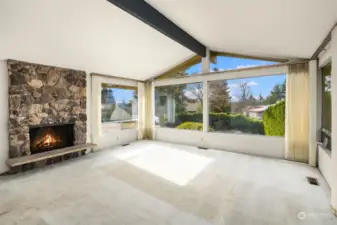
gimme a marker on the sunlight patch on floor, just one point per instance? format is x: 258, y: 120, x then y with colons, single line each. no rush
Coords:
x: 172, y: 164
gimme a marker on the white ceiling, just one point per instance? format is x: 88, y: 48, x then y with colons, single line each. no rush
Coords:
x: 277, y: 28
x: 90, y: 35
x: 96, y: 36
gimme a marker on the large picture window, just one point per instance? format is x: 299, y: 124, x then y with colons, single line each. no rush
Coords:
x: 119, y: 106
x: 248, y: 106
x: 326, y: 106
x: 179, y: 106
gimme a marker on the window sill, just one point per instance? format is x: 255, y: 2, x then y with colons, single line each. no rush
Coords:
x: 217, y: 133
x: 120, y: 121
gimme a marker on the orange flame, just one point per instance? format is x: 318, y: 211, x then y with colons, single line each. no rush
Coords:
x: 49, y: 140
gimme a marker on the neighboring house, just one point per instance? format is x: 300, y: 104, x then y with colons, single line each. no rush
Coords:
x: 193, y: 106
x: 256, y: 111
x: 120, y: 114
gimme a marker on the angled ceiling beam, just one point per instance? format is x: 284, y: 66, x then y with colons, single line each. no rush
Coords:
x: 152, y: 17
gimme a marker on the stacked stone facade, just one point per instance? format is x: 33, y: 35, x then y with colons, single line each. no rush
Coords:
x: 44, y: 95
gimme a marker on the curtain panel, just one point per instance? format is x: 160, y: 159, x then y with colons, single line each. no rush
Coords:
x: 297, y: 113
x: 148, y: 117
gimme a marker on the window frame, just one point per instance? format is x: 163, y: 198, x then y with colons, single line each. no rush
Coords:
x: 122, y: 87
x: 323, y: 133
x: 257, y: 113
x: 250, y: 72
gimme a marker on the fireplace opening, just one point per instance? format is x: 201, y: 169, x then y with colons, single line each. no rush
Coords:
x: 51, y: 137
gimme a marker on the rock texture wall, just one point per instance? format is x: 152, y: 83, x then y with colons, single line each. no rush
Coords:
x: 41, y: 95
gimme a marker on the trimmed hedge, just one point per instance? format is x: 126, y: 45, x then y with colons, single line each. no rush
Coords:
x: 225, y: 122
x: 274, y: 119
x: 190, y: 126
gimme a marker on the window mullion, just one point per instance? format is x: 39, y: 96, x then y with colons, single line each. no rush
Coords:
x: 205, y: 106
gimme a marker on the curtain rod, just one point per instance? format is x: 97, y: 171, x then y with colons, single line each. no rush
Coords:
x: 323, y: 44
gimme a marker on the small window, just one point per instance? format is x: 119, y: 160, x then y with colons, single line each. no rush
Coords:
x: 119, y: 106
x: 326, y: 106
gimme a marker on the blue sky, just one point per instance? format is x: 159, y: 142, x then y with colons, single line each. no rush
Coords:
x: 122, y: 95
x: 258, y: 85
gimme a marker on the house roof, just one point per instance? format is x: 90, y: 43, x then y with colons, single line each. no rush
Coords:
x: 97, y: 36
x: 260, y: 108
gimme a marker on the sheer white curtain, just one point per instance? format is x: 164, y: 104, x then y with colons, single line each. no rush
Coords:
x: 297, y: 113
x: 148, y: 119
x: 141, y: 110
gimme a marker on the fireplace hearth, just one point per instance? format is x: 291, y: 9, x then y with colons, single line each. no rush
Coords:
x: 50, y: 137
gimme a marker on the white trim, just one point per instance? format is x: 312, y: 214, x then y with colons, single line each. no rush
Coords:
x: 117, y: 81
x: 106, y: 140
x: 153, y: 102
x: 313, y: 129
x: 325, y: 56
x: 225, y: 75
x: 259, y: 145
x: 205, y: 106
x: 96, y: 122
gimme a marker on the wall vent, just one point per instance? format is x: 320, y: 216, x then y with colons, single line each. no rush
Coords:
x: 312, y: 181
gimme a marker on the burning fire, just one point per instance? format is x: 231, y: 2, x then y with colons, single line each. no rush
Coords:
x: 46, y: 141
x: 49, y: 140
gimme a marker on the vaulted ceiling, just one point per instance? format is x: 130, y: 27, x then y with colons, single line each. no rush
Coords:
x: 274, y: 28
x: 96, y: 36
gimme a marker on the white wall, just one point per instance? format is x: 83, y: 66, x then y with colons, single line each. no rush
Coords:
x: 324, y: 155
x: 241, y: 143
x: 325, y: 164
x: 113, y: 137
x: 118, y: 137
x: 3, y: 116
x: 90, y: 35
x: 334, y: 119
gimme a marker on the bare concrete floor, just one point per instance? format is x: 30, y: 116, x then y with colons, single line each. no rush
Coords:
x: 160, y: 183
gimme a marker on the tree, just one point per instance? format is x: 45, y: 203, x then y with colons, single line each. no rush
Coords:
x: 277, y: 93
x: 243, y: 96
x: 107, y: 96
x: 180, y: 99
x: 261, y: 99
x: 195, y: 91
x: 245, y: 91
x: 252, y: 100
x: 220, y: 99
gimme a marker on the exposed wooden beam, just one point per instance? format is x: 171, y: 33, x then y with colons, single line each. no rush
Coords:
x: 152, y: 17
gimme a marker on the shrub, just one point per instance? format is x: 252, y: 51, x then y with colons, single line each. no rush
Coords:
x: 190, y: 126
x: 225, y: 122
x: 274, y: 119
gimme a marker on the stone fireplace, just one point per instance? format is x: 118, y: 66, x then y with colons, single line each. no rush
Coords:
x: 47, y: 108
